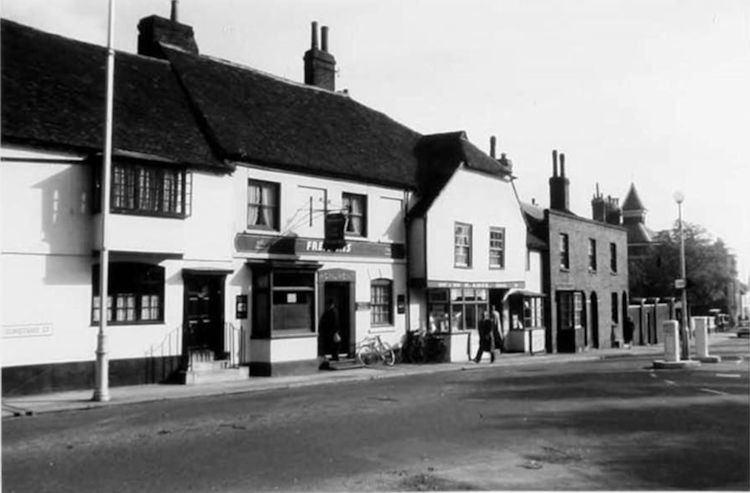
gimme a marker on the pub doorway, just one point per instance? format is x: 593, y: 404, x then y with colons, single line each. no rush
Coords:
x: 340, y: 293
x: 203, y: 328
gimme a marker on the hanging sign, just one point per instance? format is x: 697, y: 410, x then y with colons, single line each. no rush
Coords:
x: 334, y: 231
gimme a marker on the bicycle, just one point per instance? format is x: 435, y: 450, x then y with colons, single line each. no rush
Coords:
x: 373, y: 349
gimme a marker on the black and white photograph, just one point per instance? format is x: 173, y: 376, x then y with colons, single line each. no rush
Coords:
x: 375, y: 246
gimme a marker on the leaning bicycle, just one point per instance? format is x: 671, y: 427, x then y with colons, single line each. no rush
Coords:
x: 372, y: 350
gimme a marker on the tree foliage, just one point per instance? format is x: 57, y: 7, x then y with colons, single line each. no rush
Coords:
x: 709, y: 266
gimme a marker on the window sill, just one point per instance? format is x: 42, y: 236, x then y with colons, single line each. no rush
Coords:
x: 266, y: 229
x: 382, y: 329
x: 466, y: 267
x: 130, y: 323
x: 163, y: 215
x: 564, y: 269
x: 497, y: 267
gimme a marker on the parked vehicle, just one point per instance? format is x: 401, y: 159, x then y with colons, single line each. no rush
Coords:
x: 373, y: 350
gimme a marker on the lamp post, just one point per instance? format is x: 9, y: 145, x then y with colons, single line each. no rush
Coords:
x: 684, y: 346
x: 101, y: 370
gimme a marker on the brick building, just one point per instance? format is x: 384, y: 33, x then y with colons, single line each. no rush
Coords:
x: 585, y: 270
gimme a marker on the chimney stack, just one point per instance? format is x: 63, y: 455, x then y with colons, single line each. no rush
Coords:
x: 155, y: 30
x: 558, y: 185
x: 320, y: 66
x: 598, y: 207
x: 493, y: 143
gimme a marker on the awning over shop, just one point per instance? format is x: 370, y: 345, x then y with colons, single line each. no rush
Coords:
x: 523, y: 292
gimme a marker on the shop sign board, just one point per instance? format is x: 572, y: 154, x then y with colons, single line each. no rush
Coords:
x: 295, y: 245
x: 477, y: 285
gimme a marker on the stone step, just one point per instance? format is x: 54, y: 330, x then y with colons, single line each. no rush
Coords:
x: 200, y: 366
x: 214, y: 375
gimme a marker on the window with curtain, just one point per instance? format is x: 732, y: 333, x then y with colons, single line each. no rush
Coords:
x: 262, y: 205
x: 136, y: 294
x: 462, y: 245
x: 497, y: 248
x: 381, y: 302
x: 355, y: 209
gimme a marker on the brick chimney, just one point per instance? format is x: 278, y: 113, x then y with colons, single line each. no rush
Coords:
x: 154, y: 30
x: 559, y: 185
x: 598, y: 207
x: 320, y: 66
x: 613, y: 211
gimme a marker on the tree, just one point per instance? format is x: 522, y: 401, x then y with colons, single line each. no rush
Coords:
x: 709, y: 265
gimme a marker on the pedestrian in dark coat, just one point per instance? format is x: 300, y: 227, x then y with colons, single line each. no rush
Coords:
x: 329, y: 330
x: 486, y: 338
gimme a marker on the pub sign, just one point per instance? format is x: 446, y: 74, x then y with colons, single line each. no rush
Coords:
x: 335, y: 223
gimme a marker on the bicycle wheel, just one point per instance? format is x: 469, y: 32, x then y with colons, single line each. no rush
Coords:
x: 386, y: 352
x: 366, y: 355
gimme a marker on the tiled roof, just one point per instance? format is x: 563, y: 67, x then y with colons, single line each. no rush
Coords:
x: 253, y: 117
x: 536, y: 233
x: 632, y: 200
x: 54, y: 96
x: 439, y: 155
x: 638, y: 233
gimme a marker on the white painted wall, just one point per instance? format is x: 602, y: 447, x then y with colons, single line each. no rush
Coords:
x: 48, y: 234
x: 384, y: 205
x: 491, y: 203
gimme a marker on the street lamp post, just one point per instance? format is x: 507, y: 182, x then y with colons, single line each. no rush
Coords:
x: 684, y: 346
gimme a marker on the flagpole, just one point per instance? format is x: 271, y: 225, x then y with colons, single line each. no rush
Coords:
x: 101, y: 392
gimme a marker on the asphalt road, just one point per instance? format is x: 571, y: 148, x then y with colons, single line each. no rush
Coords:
x: 612, y: 424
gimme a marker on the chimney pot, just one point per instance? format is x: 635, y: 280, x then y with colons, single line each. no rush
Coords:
x: 314, y: 40
x: 493, y: 142
x: 324, y: 38
x: 562, y: 165
x: 173, y: 13
x: 554, y: 162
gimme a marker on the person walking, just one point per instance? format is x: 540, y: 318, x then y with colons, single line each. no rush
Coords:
x: 486, y: 338
x: 329, y: 330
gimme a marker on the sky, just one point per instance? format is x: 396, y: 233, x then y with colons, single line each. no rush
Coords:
x: 650, y: 92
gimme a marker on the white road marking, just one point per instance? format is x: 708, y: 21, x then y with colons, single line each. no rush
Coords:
x: 728, y: 375
x: 712, y: 391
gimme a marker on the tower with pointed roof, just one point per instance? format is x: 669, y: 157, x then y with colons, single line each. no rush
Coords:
x: 634, y: 220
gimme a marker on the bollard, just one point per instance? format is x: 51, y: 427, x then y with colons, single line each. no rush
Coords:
x: 672, y: 349
x: 671, y: 345
x: 701, y: 340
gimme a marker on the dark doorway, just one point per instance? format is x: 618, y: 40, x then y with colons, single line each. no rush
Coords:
x: 594, y: 321
x: 204, y: 315
x: 341, y: 295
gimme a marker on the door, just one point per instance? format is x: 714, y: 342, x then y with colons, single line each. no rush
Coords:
x: 594, y: 320
x: 340, y: 294
x: 204, y: 315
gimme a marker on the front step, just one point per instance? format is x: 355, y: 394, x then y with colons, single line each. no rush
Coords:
x: 342, y: 364
x: 213, y: 373
x: 202, y: 368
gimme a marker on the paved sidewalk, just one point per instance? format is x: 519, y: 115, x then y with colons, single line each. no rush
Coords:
x: 81, y: 399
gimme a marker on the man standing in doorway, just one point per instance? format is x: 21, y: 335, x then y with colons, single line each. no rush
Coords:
x: 497, y: 330
x: 329, y: 330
